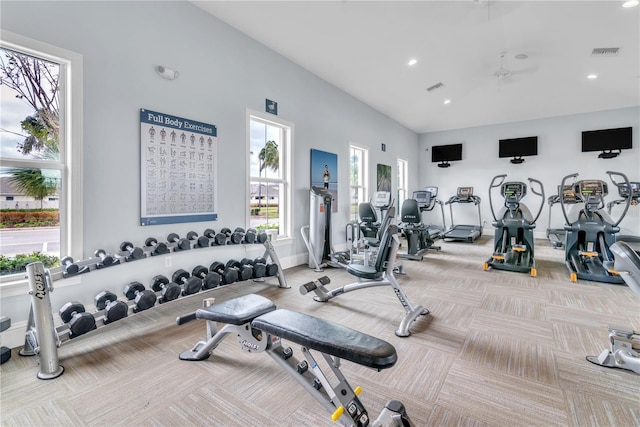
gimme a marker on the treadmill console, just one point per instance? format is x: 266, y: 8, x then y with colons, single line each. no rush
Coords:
x: 465, y: 193
x: 433, y: 191
x: 513, y: 192
x: 568, y: 194
x: 381, y: 199
x: 623, y: 190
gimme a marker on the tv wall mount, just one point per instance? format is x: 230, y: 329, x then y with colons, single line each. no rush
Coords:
x: 444, y: 164
x: 517, y: 160
x: 609, y: 154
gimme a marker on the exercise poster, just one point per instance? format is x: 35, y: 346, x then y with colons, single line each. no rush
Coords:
x: 178, y: 172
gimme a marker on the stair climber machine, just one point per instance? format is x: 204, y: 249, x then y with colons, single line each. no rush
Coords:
x: 513, y: 240
x: 464, y: 233
x: 317, y: 235
x: 420, y: 237
x: 557, y: 235
x: 591, y: 231
x: 624, y: 193
x: 369, y: 228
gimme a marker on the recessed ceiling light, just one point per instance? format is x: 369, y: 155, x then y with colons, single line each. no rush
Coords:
x: 412, y: 62
x: 447, y: 101
x: 592, y: 76
x: 631, y: 3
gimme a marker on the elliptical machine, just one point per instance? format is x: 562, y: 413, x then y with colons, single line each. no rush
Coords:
x: 591, y: 231
x: 513, y: 239
x: 318, y: 242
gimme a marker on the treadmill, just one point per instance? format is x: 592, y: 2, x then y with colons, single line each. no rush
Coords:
x: 435, y: 231
x: 557, y: 235
x: 460, y: 232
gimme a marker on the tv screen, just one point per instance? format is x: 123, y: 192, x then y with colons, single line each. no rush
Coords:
x: 518, y: 147
x: 446, y: 153
x: 606, y: 139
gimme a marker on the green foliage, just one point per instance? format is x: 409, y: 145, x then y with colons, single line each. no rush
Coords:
x: 11, y: 218
x: 265, y: 227
x: 17, y: 264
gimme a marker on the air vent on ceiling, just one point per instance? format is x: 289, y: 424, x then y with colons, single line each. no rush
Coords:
x: 435, y: 86
x: 605, y: 51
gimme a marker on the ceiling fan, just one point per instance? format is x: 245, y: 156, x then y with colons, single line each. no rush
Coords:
x: 502, y: 72
x: 505, y: 74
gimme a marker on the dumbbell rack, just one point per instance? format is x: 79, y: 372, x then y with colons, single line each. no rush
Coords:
x: 95, y: 263
x: 45, y: 344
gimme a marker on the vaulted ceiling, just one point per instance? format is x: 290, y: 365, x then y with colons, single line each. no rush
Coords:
x: 470, y: 48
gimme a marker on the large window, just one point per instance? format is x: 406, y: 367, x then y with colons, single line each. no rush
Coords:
x: 403, y: 182
x: 270, y: 140
x: 40, y: 151
x: 358, y: 172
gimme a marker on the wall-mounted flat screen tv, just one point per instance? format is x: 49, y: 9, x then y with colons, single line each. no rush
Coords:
x: 518, y: 147
x: 446, y: 153
x: 606, y: 139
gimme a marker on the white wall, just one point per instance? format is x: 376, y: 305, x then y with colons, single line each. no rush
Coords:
x: 222, y: 73
x: 559, y: 154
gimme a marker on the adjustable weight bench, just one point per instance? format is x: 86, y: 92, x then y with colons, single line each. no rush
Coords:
x: 379, y: 274
x: 261, y: 327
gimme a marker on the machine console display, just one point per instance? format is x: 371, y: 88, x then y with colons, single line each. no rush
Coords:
x: 381, y: 199
x: 465, y: 193
x: 568, y: 194
x: 635, y: 190
x: 423, y: 198
x: 433, y: 191
x: 514, y: 191
x: 591, y: 189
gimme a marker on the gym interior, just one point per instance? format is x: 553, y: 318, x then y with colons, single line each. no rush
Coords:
x: 479, y: 344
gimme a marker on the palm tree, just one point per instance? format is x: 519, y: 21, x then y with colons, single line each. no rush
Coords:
x: 34, y: 183
x: 269, y: 157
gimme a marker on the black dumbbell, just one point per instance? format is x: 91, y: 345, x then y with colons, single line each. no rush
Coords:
x: 143, y: 298
x: 191, y: 284
x: 79, y: 321
x: 261, y: 237
x: 201, y: 242
x: 179, y: 244
x: 157, y: 248
x: 259, y: 268
x: 170, y: 290
x: 219, y: 239
x: 236, y: 236
x: 71, y: 268
x: 210, y: 279
x: 107, y: 260
x: 134, y: 253
x: 245, y: 271
x: 271, y: 268
x: 114, y: 309
x: 250, y: 236
x: 229, y: 275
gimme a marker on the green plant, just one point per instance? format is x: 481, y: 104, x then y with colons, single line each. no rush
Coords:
x: 265, y: 227
x: 18, y: 263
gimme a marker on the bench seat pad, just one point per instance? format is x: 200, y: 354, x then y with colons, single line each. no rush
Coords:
x: 237, y: 311
x: 328, y: 337
x: 364, y: 271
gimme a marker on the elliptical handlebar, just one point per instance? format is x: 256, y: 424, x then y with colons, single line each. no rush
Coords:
x: 628, y: 184
x: 562, y: 202
x: 491, y: 187
x: 537, y: 193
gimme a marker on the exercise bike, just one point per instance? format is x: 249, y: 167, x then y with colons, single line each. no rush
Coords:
x: 591, y: 231
x: 513, y: 241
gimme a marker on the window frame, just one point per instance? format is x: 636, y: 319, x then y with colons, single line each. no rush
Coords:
x: 285, y: 151
x: 360, y: 187
x: 403, y: 182
x: 71, y: 142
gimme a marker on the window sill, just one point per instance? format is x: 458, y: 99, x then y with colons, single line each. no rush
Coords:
x: 20, y: 286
